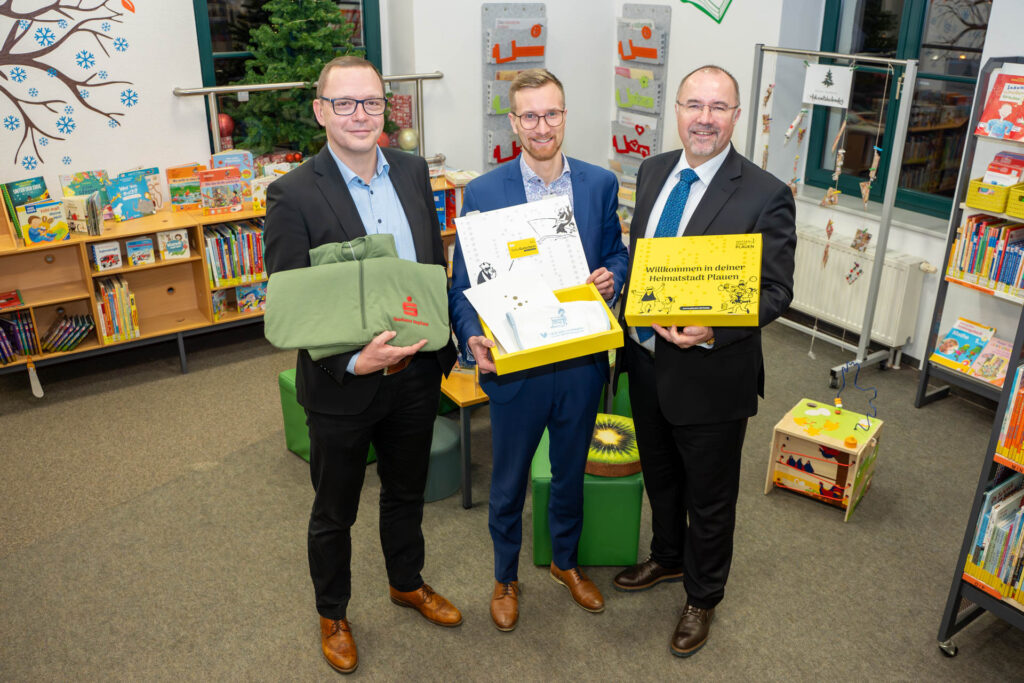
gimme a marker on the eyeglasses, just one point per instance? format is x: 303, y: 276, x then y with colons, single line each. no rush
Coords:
x: 346, y: 106
x: 696, y: 108
x: 529, y: 120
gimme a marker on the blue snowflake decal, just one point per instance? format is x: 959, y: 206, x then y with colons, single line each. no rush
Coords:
x: 28, y: 163
x: 33, y: 92
x: 105, y: 26
x: 24, y: 24
x: 51, y: 72
x: 65, y: 124
x: 84, y: 93
x: 66, y: 161
x: 85, y: 59
x: 112, y: 123
x: 12, y: 122
x: 129, y: 97
x: 69, y: 110
x: 44, y: 141
x: 120, y: 44
x: 62, y: 23
x: 45, y: 37
x: 18, y: 74
x: 102, y: 75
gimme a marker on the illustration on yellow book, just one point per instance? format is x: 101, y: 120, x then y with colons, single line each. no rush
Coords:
x: 41, y: 229
x: 739, y: 296
x: 736, y: 297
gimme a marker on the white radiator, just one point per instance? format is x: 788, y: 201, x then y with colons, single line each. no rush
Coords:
x: 824, y: 292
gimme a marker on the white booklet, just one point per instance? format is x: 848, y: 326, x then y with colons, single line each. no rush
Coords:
x: 495, y: 299
x: 539, y: 236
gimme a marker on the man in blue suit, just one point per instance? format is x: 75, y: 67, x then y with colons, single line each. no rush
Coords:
x: 562, y: 397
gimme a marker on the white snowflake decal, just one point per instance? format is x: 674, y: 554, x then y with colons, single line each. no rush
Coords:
x: 28, y: 163
x: 85, y: 59
x: 129, y: 97
x: 65, y: 124
x: 66, y: 161
x: 18, y: 74
x: 12, y: 122
x: 120, y: 44
x: 45, y: 37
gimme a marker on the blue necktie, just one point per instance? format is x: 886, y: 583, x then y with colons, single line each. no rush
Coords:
x: 668, y: 224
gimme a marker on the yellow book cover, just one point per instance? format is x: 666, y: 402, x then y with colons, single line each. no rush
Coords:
x: 711, y: 280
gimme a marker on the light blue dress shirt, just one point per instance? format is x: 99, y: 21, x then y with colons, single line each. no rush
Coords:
x: 535, y: 187
x: 380, y: 210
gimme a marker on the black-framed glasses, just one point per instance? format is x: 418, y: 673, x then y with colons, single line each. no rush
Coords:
x: 716, y: 109
x: 346, y: 106
x: 529, y: 120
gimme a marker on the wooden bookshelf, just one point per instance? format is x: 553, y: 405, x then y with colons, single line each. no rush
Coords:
x: 172, y: 296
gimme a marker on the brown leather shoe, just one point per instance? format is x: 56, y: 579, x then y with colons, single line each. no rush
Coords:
x: 337, y: 644
x: 505, y: 605
x: 428, y: 603
x: 582, y: 589
x: 691, y: 631
x: 645, y: 575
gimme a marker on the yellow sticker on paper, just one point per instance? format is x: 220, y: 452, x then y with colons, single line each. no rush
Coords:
x: 526, y: 247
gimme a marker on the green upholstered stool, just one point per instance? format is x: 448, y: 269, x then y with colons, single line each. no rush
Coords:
x: 296, y: 433
x: 620, y: 401
x: 444, y: 475
x: 611, y: 515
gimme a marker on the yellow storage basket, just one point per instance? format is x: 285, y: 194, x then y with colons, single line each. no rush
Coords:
x: 1015, y: 202
x: 986, y: 196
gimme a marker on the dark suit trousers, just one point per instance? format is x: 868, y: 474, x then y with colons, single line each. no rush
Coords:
x: 692, y: 476
x: 399, y: 422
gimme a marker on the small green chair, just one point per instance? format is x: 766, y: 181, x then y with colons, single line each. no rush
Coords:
x: 296, y: 433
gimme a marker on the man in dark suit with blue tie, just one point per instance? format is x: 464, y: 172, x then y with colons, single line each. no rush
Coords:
x: 562, y: 397
x: 693, y: 389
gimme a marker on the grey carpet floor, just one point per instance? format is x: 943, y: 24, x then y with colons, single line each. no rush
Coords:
x: 152, y: 527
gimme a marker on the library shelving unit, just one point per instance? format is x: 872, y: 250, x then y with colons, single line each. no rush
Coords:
x: 969, y: 598
x: 173, y: 296
x: 933, y: 371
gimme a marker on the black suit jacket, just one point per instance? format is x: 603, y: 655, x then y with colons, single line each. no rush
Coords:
x: 703, y: 386
x: 310, y: 206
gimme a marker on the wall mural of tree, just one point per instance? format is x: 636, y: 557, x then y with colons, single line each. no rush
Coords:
x: 57, y: 66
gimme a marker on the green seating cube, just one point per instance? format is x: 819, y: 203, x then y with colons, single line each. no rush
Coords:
x: 444, y: 474
x: 296, y: 432
x: 611, y: 515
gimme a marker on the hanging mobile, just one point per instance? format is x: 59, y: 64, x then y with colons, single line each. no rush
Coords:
x: 768, y: 94
x: 796, y: 123
x: 840, y: 156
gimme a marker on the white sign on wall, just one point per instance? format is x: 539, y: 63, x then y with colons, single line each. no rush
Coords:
x: 828, y: 85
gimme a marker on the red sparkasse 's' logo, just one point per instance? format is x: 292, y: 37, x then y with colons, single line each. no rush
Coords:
x: 409, y: 307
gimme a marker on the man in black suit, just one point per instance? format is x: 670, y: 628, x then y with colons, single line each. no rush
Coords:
x: 692, y: 389
x: 381, y: 394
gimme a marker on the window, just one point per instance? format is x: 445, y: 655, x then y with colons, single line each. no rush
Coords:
x: 946, y: 36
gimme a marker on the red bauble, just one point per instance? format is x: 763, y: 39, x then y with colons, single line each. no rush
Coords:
x: 226, y: 123
x: 383, y: 140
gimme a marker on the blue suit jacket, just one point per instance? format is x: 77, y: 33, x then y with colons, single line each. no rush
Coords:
x: 595, y: 200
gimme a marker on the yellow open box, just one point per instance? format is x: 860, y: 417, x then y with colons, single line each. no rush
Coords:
x: 708, y: 280
x: 506, y: 363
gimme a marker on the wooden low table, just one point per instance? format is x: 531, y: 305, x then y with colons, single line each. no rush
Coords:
x: 464, y: 391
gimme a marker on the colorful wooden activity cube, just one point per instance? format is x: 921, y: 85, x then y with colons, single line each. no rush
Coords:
x: 824, y: 452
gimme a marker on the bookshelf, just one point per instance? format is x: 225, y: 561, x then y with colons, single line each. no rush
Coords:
x: 943, y: 377
x: 173, y: 296
x: 969, y: 596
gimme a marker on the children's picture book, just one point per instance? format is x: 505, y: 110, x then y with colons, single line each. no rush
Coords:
x: 11, y: 299
x: 183, y: 185
x: 105, y: 255
x: 43, y: 222
x: 130, y: 197
x: 21, y: 192
x: 140, y: 251
x: 961, y: 346
x: 219, y: 299
x: 992, y: 362
x: 222, y: 190
x: 153, y: 185
x: 87, y: 182
x: 84, y: 213
x: 259, y: 192
x: 1003, y: 115
x: 239, y: 158
x: 251, y: 298
x: 173, y: 244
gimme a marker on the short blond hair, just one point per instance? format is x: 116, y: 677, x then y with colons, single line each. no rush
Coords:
x: 533, y: 78
x: 347, y: 62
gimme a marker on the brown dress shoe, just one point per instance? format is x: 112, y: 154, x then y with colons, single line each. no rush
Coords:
x: 428, y: 603
x: 583, y: 590
x: 505, y: 605
x: 645, y: 575
x: 692, y: 630
x: 337, y: 644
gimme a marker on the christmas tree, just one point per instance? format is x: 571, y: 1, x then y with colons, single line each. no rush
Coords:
x: 300, y: 36
x: 828, y: 79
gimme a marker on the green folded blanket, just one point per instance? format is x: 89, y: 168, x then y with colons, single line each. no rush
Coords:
x: 354, y: 291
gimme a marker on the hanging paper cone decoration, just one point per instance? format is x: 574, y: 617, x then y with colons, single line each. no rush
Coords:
x: 824, y: 256
x: 768, y: 94
x: 839, y: 135
x: 829, y: 227
x: 831, y: 197
x: 796, y: 123
x: 765, y: 123
x: 865, y: 191
x: 840, y: 156
x: 800, y: 135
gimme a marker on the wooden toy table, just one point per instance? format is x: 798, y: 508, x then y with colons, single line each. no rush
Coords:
x: 825, y: 453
